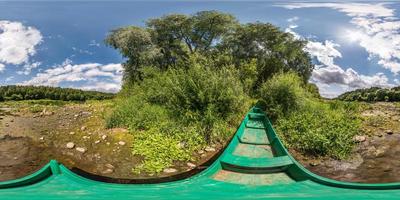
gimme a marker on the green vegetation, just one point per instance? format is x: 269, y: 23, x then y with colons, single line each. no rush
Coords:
x: 189, y: 79
x: 307, y: 124
x: 17, y: 93
x: 372, y: 94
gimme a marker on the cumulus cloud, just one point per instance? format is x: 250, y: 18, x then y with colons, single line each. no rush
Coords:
x: 328, y: 73
x: 17, y: 43
x: 377, y: 29
x: 90, y: 76
x: 2, y: 68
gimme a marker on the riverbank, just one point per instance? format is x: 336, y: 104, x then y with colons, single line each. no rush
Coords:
x: 33, y: 132
x: 375, y: 159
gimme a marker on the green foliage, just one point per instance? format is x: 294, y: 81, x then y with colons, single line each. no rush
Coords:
x: 213, y: 39
x: 160, y: 151
x: 372, y: 94
x: 321, y: 129
x: 282, y: 94
x: 17, y: 93
x: 193, y: 107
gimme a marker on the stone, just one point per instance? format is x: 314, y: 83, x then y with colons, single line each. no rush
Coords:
x: 83, y: 128
x: 191, y: 165
x: 379, y: 153
x: 103, y: 137
x: 70, y: 145
x: 200, y: 152
x: 313, y: 164
x: 81, y: 149
x: 359, y: 138
x: 122, y: 143
x: 41, y: 138
x: 107, y: 171
x: 71, y: 133
x: 210, y: 149
x: 170, y: 170
x: 110, y: 166
x: 389, y: 132
x: 7, y: 125
x: 12, y: 120
x: 97, y: 141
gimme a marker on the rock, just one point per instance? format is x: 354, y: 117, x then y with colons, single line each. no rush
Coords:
x: 213, y: 145
x: 41, y: 138
x: 389, y: 132
x: 103, y: 137
x: 110, y: 166
x: 122, y: 143
x: 85, y: 137
x: 200, y: 152
x: 12, y: 120
x: 191, y: 165
x: 97, y: 141
x: 210, y: 149
x: 108, y: 143
x: 7, y: 125
x: 70, y: 145
x: 313, y: 164
x: 71, y: 133
x: 83, y: 128
x: 379, y: 153
x: 107, y: 171
x: 170, y: 170
x: 81, y: 149
x: 359, y: 138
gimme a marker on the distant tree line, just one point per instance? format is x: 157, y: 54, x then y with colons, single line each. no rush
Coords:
x: 16, y: 93
x: 372, y: 94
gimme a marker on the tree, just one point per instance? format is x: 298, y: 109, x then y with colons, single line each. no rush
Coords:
x: 211, y: 39
x: 134, y: 43
x: 275, y: 51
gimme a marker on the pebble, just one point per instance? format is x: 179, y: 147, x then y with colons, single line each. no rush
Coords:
x: 170, y: 170
x: 97, y: 141
x: 41, y: 138
x: 70, y: 145
x: 110, y: 166
x: 359, y: 138
x: 108, y: 171
x: 210, y: 149
x: 103, y: 137
x: 389, y: 132
x: 81, y: 149
x: 191, y: 165
x: 83, y: 128
x: 71, y: 133
x: 122, y: 143
x: 200, y: 152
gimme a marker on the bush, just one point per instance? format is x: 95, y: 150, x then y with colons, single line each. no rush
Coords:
x: 193, y: 107
x: 282, y: 94
x: 321, y: 129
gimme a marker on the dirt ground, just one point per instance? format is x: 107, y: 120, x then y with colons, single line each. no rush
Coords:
x: 74, y: 134
x: 376, y: 157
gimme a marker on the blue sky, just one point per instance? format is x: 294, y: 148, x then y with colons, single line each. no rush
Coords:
x: 353, y: 44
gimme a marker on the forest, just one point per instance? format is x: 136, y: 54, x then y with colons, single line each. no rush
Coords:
x: 372, y: 94
x: 17, y: 93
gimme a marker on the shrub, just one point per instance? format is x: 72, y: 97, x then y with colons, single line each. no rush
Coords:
x: 320, y: 129
x: 282, y: 94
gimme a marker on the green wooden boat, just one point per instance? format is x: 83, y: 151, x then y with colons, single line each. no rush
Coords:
x: 255, y: 165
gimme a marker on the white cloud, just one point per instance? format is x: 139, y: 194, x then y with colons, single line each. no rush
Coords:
x: 17, y: 42
x: 377, y: 29
x: 91, y: 76
x: 330, y: 78
x: 2, y: 68
x: 27, y: 68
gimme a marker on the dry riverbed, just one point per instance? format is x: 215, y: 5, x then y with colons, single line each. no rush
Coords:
x: 376, y: 157
x: 32, y: 133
